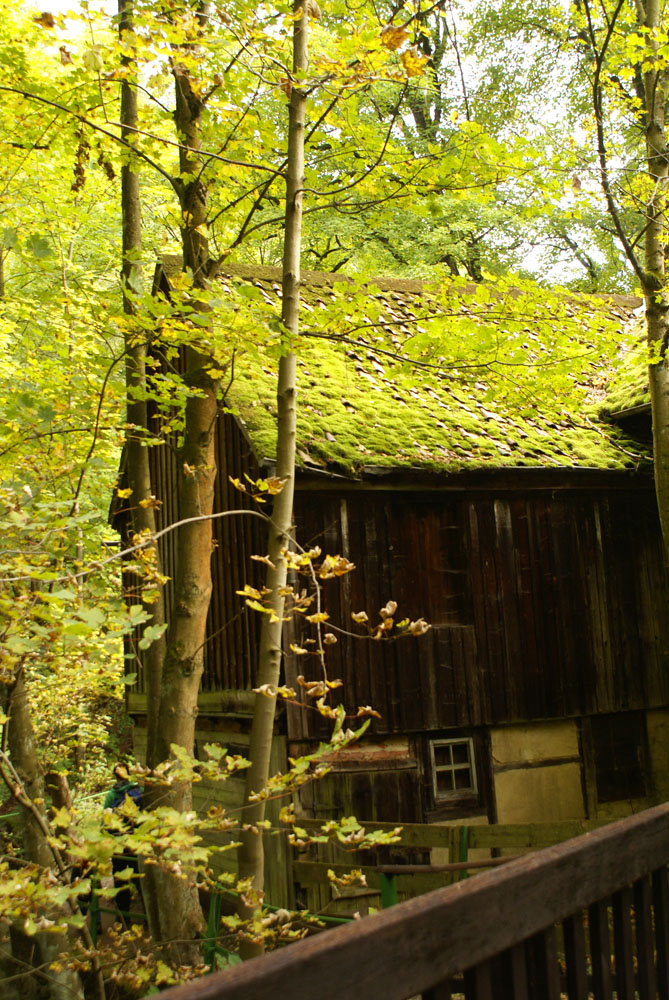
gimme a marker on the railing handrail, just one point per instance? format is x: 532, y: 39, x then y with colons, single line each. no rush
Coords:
x: 484, y: 835
x: 417, y: 944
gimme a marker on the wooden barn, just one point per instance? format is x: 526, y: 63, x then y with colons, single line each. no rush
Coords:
x: 529, y: 541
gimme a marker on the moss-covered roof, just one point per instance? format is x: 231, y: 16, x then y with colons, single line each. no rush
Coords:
x: 628, y: 388
x: 363, y: 403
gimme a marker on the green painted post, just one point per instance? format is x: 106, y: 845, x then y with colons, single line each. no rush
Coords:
x: 388, y: 891
x: 464, y: 848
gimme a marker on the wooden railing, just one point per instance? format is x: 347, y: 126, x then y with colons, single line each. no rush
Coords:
x: 580, y: 919
x: 455, y: 841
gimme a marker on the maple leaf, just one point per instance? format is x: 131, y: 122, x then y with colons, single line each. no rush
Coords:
x: 413, y: 61
x: 392, y: 36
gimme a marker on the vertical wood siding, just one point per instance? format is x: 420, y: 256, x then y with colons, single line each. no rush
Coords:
x: 546, y: 605
x: 232, y: 629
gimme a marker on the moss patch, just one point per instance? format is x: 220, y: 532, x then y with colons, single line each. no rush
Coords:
x: 396, y: 374
x: 629, y: 384
x: 351, y: 416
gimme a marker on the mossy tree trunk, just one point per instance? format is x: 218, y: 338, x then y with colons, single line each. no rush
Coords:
x: 175, y: 912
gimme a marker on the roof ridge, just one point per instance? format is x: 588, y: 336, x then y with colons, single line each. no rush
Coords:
x: 265, y: 272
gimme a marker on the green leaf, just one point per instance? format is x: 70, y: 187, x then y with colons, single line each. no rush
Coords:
x: 94, y: 617
x: 151, y: 633
x: 39, y: 247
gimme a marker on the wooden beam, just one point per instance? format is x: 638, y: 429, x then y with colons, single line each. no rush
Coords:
x: 415, y: 945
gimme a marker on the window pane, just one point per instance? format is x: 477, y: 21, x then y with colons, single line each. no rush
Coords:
x: 444, y: 781
x: 442, y: 755
x: 461, y: 753
x: 463, y: 778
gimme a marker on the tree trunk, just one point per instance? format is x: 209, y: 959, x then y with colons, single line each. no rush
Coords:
x: 137, y: 452
x: 251, y: 851
x: 65, y: 984
x: 655, y: 284
x: 175, y: 909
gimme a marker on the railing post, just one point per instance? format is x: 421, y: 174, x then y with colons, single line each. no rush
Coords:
x: 388, y: 890
x: 463, y: 849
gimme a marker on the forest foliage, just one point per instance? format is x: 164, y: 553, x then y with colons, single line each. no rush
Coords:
x: 435, y: 149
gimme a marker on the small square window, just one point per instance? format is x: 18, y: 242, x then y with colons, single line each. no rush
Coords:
x: 453, y: 768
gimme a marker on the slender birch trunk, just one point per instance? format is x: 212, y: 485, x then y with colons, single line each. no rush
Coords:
x: 251, y: 851
x: 137, y: 452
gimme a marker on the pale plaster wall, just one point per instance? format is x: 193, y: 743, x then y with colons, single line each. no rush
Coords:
x: 534, y: 741
x: 527, y: 790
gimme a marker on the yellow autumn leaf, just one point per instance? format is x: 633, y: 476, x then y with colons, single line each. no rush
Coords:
x: 123, y: 494
x: 259, y: 607
x: 334, y: 566
x: 325, y: 710
x: 413, y: 61
x: 320, y: 616
x: 274, y: 485
x: 267, y: 690
x: 366, y: 711
x: 392, y: 36
x: 419, y: 627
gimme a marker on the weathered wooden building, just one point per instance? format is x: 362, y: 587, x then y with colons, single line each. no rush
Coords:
x: 529, y: 542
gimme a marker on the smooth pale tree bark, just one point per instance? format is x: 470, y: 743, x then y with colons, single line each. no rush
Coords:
x: 651, y: 91
x: 137, y: 452
x: 250, y: 853
x: 64, y: 984
x: 177, y: 916
x: 655, y: 290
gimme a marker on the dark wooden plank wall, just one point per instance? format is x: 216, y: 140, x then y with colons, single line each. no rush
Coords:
x: 232, y: 629
x: 546, y: 605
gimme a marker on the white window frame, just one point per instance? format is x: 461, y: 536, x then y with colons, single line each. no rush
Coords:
x: 451, y: 768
